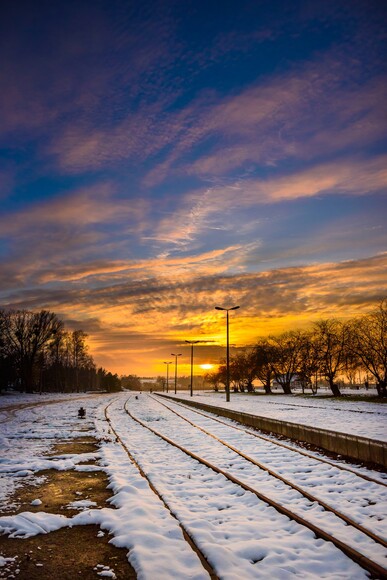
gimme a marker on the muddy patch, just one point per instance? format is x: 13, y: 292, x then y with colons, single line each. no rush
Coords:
x: 79, y: 445
x: 68, y: 553
x: 61, y: 488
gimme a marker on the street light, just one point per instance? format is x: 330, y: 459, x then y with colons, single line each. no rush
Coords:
x: 167, y: 363
x: 228, y: 352
x: 175, y: 355
x: 192, y: 342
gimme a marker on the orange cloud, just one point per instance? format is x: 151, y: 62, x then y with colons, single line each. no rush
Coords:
x: 134, y: 324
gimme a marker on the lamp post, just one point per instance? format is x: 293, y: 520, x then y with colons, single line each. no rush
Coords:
x: 227, y: 351
x: 175, y: 355
x: 167, y: 363
x: 192, y: 342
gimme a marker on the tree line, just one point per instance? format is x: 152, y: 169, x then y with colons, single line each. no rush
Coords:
x: 330, y: 350
x: 37, y: 353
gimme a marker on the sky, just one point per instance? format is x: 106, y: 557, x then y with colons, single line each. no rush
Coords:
x: 159, y: 159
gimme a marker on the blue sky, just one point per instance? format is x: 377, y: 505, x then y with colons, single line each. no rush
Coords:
x: 161, y: 158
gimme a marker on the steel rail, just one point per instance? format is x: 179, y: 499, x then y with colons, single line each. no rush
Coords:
x: 206, y: 565
x: 375, y: 569
x: 294, y: 486
x: 274, y: 442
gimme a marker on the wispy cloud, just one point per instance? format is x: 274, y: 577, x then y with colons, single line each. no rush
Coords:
x: 216, y: 208
x: 308, y: 115
x: 69, y: 236
x: 87, y: 206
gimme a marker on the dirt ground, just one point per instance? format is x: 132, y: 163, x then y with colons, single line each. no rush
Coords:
x: 65, y: 554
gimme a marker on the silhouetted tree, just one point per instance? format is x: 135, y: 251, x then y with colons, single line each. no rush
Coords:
x: 264, y: 353
x: 36, y: 353
x: 131, y: 382
x: 285, y: 357
x: 243, y: 369
x: 332, y: 338
x: 78, y: 353
x: 308, y: 363
x: 214, y: 379
x: 369, y: 344
x: 108, y: 381
x: 26, y: 335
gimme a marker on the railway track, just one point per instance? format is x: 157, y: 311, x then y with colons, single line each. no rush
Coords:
x: 246, y: 474
x: 348, y: 520
x: 278, y: 443
x: 186, y: 535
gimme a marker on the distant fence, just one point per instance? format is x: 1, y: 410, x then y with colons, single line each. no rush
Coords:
x: 352, y: 446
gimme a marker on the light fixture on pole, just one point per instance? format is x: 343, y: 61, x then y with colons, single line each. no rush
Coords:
x: 227, y: 351
x: 175, y: 355
x: 192, y: 342
x: 167, y: 363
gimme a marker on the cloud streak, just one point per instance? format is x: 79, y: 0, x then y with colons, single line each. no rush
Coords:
x: 164, y: 310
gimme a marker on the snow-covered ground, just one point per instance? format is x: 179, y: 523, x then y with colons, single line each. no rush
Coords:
x: 352, y: 417
x: 241, y: 536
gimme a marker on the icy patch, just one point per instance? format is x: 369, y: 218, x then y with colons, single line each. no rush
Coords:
x: 81, y: 504
x: 36, y: 502
x: 5, y: 561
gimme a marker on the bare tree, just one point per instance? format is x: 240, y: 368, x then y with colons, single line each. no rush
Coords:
x: 308, y: 364
x: 263, y: 352
x: 369, y: 344
x: 242, y: 370
x: 79, y: 356
x: 215, y: 379
x: 8, y: 363
x: 332, y: 338
x: 286, y: 354
x: 26, y: 334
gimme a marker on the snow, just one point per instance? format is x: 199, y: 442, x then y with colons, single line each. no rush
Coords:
x: 5, y: 561
x: 106, y: 572
x: 36, y: 502
x: 28, y: 524
x: 359, y: 418
x: 81, y: 504
x: 240, y: 535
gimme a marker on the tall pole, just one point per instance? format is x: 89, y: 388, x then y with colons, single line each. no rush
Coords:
x: 167, y: 363
x: 227, y: 360
x: 191, y: 389
x: 227, y: 350
x: 192, y: 342
x: 175, y: 355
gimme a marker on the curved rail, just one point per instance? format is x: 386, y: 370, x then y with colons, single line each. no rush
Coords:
x: 305, y: 493
x: 186, y: 535
x: 372, y: 567
x: 280, y: 444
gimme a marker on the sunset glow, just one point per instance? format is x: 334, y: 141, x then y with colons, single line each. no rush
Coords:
x: 161, y: 159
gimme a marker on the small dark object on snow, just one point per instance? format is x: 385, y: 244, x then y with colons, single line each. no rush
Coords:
x: 136, y: 397
x: 81, y: 413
